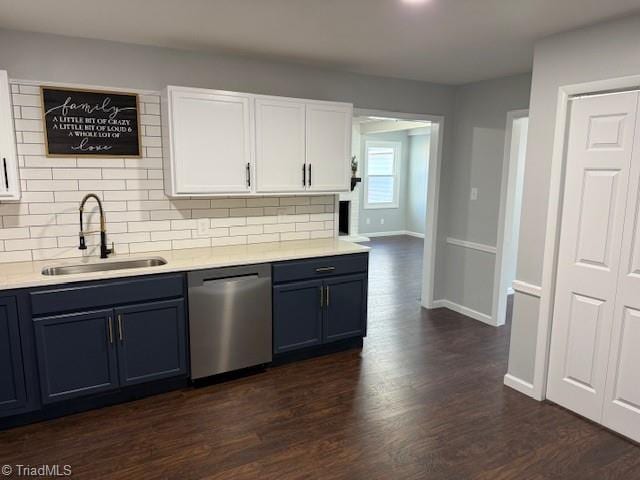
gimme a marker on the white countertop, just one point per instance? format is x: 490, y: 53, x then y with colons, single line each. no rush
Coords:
x: 29, y: 274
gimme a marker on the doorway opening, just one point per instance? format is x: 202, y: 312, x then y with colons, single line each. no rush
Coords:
x: 396, y: 170
x: 510, y: 212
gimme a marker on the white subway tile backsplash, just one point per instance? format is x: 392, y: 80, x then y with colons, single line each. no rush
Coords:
x: 171, y: 235
x: 19, y: 256
x: 150, y: 226
x: 51, y: 185
x: 101, y: 184
x: 140, y: 218
x: 170, y: 214
x: 9, y: 233
x: 193, y: 243
x: 31, y: 113
x: 58, y: 162
x: 77, y: 173
x: 30, y: 244
x: 35, y: 174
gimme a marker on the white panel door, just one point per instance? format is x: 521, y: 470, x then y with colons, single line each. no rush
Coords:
x: 9, y: 180
x: 328, y: 147
x: 280, y: 145
x: 622, y: 399
x: 598, y: 161
x: 211, y: 142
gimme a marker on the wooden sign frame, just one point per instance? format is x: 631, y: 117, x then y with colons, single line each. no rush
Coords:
x: 105, y: 155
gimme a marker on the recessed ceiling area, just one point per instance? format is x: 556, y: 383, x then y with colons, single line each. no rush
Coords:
x: 444, y: 41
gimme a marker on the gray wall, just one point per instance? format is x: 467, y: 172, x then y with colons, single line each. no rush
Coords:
x: 34, y: 56
x: 476, y: 161
x: 394, y: 218
x: 417, y: 182
x: 603, y: 51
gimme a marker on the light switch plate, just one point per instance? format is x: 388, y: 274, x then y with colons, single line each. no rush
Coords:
x: 203, y: 226
x: 474, y: 193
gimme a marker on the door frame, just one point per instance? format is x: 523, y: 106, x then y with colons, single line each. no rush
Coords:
x: 554, y: 213
x: 433, y: 193
x: 507, y: 185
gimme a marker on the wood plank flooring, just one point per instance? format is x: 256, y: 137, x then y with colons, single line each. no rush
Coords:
x: 423, y: 399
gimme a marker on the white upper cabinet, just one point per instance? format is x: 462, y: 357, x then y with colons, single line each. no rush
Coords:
x: 208, y: 141
x: 226, y: 143
x: 9, y: 179
x: 280, y: 145
x: 328, y: 146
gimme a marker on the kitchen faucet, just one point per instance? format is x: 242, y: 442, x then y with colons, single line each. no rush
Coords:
x: 104, y: 251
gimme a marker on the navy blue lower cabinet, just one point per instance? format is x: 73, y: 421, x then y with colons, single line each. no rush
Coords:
x: 13, y: 393
x: 345, y: 312
x: 297, y: 315
x: 76, y: 354
x: 151, y: 340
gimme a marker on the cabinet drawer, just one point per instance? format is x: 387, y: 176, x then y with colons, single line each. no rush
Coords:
x: 320, y: 267
x: 101, y: 294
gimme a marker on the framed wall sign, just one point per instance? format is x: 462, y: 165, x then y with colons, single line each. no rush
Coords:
x: 90, y: 123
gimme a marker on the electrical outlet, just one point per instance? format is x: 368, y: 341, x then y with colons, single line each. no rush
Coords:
x: 203, y: 226
x: 368, y: 221
x: 382, y: 221
x: 474, y: 193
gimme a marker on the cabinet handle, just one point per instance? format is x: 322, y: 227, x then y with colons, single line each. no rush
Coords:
x: 6, y: 173
x: 327, y: 296
x: 110, y: 330
x: 304, y: 175
x: 309, y: 174
x: 249, y: 175
x: 321, y: 297
x: 325, y: 269
x: 120, y: 335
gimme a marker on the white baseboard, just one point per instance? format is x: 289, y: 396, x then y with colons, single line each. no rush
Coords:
x: 394, y: 233
x: 469, y: 312
x: 518, y: 384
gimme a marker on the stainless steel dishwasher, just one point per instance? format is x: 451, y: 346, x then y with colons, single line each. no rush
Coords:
x: 229, y: 319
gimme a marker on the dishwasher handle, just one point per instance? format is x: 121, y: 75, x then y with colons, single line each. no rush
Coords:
x: 228, y: 275
x: 236, y: 279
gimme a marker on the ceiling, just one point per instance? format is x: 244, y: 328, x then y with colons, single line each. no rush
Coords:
x: 444, y: 41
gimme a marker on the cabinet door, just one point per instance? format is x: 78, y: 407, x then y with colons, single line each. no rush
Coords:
x: 328, y: 147
x: 297, y: 315
x: 9, y: 181
x: 345, y: 311
x: 76, y: 354
x: 280, y: 145
x: 211, y: 142
x: 151, y: 341
x: 12, y: 385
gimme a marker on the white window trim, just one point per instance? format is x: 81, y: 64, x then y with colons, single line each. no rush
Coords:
x: 397, y: 147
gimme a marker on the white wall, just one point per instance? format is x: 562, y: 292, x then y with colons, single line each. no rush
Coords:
x: 466, y: 275
x: 607, y: 50
x: 419, y: 146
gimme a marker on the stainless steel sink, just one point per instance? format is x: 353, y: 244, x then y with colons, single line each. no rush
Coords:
x: 104, y: 266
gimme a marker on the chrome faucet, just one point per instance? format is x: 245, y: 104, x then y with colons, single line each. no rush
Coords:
x: 104, y: 251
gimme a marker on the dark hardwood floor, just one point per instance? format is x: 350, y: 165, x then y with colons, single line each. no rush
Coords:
x: 423, y: 399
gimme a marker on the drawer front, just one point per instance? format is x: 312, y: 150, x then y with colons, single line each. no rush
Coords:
x: 320, y: 267
x: 100, y: 294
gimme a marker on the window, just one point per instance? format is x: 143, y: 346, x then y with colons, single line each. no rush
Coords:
x: 382, y: 164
